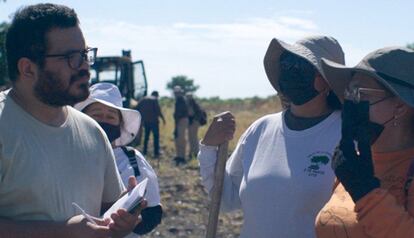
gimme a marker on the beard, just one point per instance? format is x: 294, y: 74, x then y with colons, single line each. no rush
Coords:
x: 51, y: 90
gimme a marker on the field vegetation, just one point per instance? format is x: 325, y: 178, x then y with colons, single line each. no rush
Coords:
x: 184, y: 199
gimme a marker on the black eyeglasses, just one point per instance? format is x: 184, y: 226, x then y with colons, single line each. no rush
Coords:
x: 76, y: 59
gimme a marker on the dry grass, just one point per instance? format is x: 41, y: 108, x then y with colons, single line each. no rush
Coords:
x: 184, y: 200
x: 245, y: 111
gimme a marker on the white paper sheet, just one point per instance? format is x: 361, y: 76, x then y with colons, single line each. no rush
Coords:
x: 129, y: 200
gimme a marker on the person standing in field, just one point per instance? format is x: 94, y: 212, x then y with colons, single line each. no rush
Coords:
x: 181, y: 125
x: 374, y: 162
x: 150, y: 110
x: 195, y: 119
x: 121, y: 125
x: 51, y: 154
x: 279, y: 173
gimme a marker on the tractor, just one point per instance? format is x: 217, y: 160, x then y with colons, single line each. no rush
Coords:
x: 129, y: 76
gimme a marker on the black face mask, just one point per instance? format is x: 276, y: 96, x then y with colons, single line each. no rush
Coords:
x: 113, y: 132
x: 358, y: 113
x: 299, y: 90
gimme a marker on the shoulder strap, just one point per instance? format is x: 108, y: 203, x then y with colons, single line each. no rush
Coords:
x: 130, y: 152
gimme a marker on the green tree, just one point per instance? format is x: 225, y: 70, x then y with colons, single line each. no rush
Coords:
x: 411, y: 46
x: 184, y: 82
x: 3, y: 62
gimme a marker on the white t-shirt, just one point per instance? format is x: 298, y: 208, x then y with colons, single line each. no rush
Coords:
x: 43, y: 169
x: 280, y: 178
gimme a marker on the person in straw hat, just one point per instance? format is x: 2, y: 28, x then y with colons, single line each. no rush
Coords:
x: 279, y: 172
x: 373, y: 163
x: 121, y: 125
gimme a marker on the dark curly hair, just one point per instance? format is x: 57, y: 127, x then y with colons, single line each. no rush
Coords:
x: 26, y: 36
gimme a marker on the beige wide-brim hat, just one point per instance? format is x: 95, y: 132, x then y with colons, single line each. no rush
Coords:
x: 393, y: 67
x: 109, y: 95
x: 311, y: 48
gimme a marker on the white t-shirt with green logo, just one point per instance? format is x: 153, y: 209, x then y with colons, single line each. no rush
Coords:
x: 280, y: 178
x: 43, y: 169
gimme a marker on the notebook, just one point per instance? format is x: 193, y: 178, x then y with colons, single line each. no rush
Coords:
x: 130, y: 201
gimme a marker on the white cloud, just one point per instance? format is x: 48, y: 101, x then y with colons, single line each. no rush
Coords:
x: 296, y: 22
x: 252, y: 29
x: 225, y: 59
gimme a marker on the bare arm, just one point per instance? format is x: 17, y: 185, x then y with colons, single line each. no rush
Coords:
x: 36, y: 229
x: 76, y: 226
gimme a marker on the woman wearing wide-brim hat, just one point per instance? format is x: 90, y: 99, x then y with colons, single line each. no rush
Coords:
x: 279, y: 172
x: 121, y: 125
x: 373, y: 163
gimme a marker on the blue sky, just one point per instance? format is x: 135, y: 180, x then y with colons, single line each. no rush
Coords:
x: 221, y: 44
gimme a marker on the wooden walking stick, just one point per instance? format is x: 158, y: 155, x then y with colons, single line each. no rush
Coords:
x: 217, y: 190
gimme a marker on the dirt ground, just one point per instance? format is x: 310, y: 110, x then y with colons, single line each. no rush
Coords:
x: 185, y: 202
x: 182, y: 194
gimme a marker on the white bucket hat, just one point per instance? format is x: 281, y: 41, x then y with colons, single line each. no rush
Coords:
x: 109, y: 95
x: 311, y: 48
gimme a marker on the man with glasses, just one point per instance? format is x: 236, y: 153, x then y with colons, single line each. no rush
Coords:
x: 51, y: 155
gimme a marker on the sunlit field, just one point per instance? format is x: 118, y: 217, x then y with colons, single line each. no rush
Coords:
x: 184, y: 199
x: 245, y: 111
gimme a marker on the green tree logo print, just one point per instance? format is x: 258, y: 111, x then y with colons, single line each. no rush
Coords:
x: 318, y: 160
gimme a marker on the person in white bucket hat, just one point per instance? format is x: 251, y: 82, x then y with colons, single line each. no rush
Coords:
x: 108, y: 95
x: 279, y: 173
x: 121, y: 125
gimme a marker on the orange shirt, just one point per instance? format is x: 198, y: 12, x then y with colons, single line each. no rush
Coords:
x: 384, y: 212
